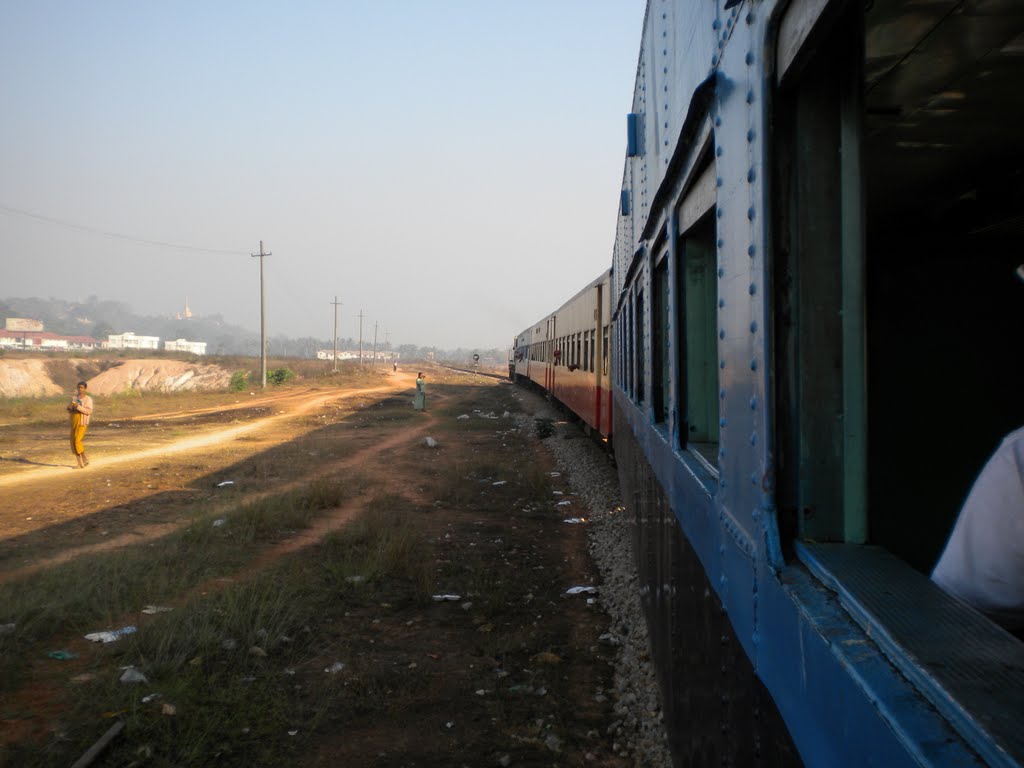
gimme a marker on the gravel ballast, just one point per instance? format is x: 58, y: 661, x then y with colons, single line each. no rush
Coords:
x: 590, y: 474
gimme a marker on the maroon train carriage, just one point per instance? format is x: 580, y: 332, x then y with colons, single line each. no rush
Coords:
x: 567, y: 354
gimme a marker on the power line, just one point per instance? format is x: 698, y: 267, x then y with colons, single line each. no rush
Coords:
x: 115, y: 235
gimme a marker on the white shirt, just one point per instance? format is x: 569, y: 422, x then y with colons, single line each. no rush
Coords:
x: 983, y: 563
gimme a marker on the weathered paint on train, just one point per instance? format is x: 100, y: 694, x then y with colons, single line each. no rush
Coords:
x: 785, y: 162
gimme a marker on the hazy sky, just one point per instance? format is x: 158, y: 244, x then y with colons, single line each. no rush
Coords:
x: 451, y: 168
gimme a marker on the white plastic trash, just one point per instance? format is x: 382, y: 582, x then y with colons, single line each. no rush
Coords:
x: 110, y: 636
x: 132, y: 675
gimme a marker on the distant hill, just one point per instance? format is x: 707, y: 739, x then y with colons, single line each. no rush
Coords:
x: 100, y: 318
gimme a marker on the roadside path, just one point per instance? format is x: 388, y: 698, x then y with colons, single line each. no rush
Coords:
x: 294, y: 406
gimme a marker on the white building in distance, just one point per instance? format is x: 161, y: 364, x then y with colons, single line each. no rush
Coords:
x: 351, y: 354
x: 129, y: 340
x: 183, y: 345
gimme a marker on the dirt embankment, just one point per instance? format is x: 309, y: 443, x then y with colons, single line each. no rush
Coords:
x: 43, y: 378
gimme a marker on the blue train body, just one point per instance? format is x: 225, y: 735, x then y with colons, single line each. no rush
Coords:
x: 815, y: 334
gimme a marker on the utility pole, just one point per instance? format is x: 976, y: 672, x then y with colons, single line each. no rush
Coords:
x: 375, y: 344
x: 360, y: 337
x: 336, y: 304
x: 263, y: 317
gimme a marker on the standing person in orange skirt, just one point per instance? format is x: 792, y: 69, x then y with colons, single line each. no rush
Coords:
x: 80, y: 409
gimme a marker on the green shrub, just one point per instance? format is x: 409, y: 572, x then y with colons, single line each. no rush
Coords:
x: 239, y: 381
x: 280, y: 376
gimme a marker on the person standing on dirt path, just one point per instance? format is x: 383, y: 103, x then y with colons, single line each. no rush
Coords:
x: 80, y: 409
x: 420, y: 401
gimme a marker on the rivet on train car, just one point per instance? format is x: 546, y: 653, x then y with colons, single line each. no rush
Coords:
x: 721, y: 242
x: 718, y: 121
x: 721, y: 364
x: 719, y: 151
x: 753, y: 403
x: 751, y: 175
x: 721, y: 303
x: 721, y: 272
x: 721, y: 333
x: 750, y: 213
x: 665, y: 52
x: 750, y: 18
x: 750, y: 58
x: 753, y: 441
x: 718, y: 181
x: 728, y: 23
x: 720, y: 212
x: 752, y: 289
x: 753, y: 364
x: 750, y: 97
x: 751, y: 250
x: 714, y: 60
x: 716, y: 24
x: 721, y: 44
x: 750, y: 135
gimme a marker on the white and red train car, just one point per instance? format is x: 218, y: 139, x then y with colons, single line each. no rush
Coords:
x: 567, y: 354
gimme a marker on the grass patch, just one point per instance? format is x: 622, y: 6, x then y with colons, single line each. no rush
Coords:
x: 94, y: 593
x: 491, y: 480
x: 380, y: 544
x: 241, y: 666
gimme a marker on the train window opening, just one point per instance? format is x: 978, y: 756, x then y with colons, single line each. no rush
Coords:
x: 819, y: 294
x: 660, y: 373
x: 641, y: 358
x: 697, y: 312
x: 632, y: 349
x: 943, y: 247
x: 899, y: 204
x: 604, y: 351
x: 628, y: 362
x: 586, y: 351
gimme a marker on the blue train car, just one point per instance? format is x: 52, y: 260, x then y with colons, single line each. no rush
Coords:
x: 817, y: 332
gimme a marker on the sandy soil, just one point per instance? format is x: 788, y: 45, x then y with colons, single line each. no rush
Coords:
x: 26, y: 378
x: 35, y: 377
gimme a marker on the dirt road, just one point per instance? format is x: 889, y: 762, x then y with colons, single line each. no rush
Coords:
x: 140, y: 469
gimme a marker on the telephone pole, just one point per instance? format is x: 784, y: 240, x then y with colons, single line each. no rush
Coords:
x: 263, y: 317
x: 374, y: 344
x: 360, y: 337
x: 336, y: 304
